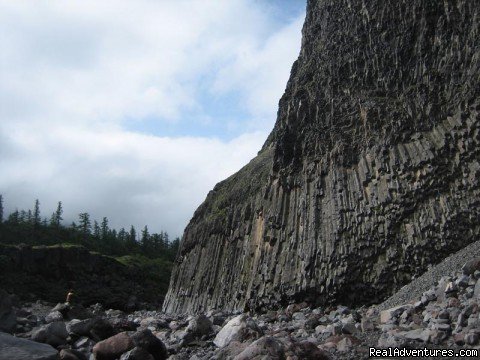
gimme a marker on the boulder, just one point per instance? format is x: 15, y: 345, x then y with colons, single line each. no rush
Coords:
x: 113, y: 347
x: 146, y: 340
x: 8, y: 320
x: 393, y: 313
x: 13, y: 348
x: 54, y: 334
x: 200, y: 325
x: 68, y: 354
x: 471, y: 266
x: 240, y: 328
x: 264, y: 348
x: 54, y: 316
x: 307, y: 350
x: 137, y: 353
x: 80, y: 327
x: 101, y: 329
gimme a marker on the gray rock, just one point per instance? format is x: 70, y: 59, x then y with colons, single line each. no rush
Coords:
x: 417, y: 334
x: 239, y: 329
x: 137, y: 353
x: 8, y: 319
x: 80, y: 327
x: 393, y: 313
x: 200, y: 325
x: 54, y: 334
x: 263, y: 348
x: 68, y: 354
x: 13, y: 348
x: 146, y: 340
x: 54, y: 316
x: 471, y: 266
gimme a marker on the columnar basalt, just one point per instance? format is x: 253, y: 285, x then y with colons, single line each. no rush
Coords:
x: 370, y: 174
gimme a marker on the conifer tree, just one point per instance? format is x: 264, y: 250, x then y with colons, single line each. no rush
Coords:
x: 1, y: 208
x: 56, y: 218
x: 85, y: 225
x: 36, y: 213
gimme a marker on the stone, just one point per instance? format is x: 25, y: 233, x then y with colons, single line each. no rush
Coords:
x: 14, y: 348
x: 113, y: 347
x: 307, y: 350
x: 471, y: 266
x: 54, y: 334
x: 390, y: 341
x: 137, y: 353
x: 146, y: 340
x: 263, y: 348
x: 471, y: 338
x: 68, y: 354
x: 101, y: 329
x: 349, y: 329
x: 393, y: 313
x: 239, y: 328
x: 8, y: 319
x: 418, y: 335
x: 54, y: 316
x: 80, y: 327
x: 367, y: 325
x: 200, y: 325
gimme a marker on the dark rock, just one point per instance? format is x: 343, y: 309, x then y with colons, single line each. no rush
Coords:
x: 80, y: 327
x: 137, y: 353
x: 101, y: 329
x: 146, y: 340
x: 13, y: 348
x: 263, y: 348
x: 54, y: 334
x: 8, y: 320
x: 471, y: 266
x: 308, y: 351
x: 200, y: 325
x: 54, y: 316
x: 68, y: 354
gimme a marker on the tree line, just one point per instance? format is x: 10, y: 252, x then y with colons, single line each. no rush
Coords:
x: 29, y: 227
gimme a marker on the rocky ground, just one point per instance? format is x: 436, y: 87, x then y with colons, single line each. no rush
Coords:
x: 437, y: 314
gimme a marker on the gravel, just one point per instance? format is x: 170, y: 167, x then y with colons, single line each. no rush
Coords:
x: 414, y: 290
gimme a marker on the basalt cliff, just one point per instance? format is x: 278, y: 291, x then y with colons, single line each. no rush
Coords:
x: 370, y: 174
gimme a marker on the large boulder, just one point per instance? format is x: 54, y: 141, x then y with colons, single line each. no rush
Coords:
x: 240, y: 328
x: 200, y: 325
x: 54, y: 334
x: 8, y: 320
x: 80, y: 327
x: 13, y: 348
x: 113, y: 347
x: 146, y: 340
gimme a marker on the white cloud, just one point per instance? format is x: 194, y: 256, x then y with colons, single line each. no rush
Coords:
x: 76, y: 74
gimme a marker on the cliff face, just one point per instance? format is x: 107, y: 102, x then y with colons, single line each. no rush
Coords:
x: 370, y: 174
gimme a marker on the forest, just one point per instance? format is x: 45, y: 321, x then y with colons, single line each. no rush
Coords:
x: 29, y: 227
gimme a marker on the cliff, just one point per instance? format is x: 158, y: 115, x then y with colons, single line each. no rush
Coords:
x: 369, y: 175
x: 48, y: 272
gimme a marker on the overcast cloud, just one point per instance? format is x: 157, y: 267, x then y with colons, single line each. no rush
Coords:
x: 135, y: 109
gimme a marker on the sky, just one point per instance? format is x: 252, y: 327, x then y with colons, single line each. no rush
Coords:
x: 135, y: 109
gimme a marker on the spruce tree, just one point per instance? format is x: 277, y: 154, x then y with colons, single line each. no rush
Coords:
x: 1, y: 208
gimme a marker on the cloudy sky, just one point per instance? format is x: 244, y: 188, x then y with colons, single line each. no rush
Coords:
x: 134, y: 109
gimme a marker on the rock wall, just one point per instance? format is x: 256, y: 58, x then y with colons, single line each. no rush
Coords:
x: 48, y: 272
x: 370, y: 174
